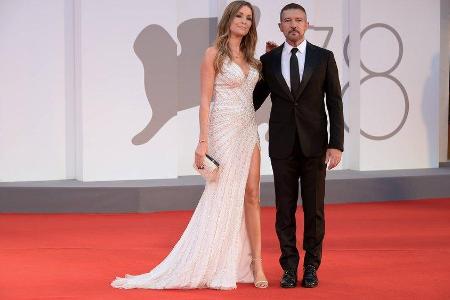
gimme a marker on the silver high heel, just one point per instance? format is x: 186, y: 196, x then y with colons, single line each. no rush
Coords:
x: 260, y: 284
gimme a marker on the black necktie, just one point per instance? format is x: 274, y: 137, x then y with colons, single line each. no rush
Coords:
x: 295, y: 73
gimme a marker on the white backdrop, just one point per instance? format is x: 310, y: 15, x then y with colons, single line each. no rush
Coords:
x: 32, y: 90
x: 100, y: 86
x: 416, y: 144
x: 113, y: 101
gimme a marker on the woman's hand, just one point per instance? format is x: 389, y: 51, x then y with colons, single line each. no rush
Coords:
x: 270, y: 46
x: 200, y: 154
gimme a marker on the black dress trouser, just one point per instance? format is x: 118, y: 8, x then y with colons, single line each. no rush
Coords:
x: 311, y: 171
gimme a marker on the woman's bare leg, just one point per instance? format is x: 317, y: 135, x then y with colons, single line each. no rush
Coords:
x: 252, y: 213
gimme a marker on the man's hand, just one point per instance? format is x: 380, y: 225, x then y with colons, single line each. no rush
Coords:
x: 333, y: 158
x: 270, y: 46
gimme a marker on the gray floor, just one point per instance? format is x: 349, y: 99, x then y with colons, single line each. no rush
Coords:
x: 183, y: 193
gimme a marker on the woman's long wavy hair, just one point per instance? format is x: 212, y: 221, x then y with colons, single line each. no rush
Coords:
x: 248, y: 43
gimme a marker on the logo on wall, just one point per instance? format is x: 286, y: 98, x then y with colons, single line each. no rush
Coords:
x: 383, y: 74
x: 172, y: 82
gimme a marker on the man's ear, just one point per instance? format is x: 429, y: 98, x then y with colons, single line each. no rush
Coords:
x: 279, y: 26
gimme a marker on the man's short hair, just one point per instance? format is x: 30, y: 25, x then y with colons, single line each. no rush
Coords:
x: 291, y: 6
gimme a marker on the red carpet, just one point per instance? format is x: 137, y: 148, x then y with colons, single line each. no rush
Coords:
x: 385, y: 250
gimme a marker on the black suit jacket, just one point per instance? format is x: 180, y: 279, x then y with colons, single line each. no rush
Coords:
x: 306, y: 114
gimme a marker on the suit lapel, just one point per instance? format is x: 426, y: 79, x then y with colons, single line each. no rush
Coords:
x: 310, y: 62
x: 277, y: 71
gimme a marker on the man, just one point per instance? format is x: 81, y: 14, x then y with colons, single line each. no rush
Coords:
x: 298, y: 74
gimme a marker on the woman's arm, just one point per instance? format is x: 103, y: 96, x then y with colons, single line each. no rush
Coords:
x: 261, y: 91
x: 207, y: 76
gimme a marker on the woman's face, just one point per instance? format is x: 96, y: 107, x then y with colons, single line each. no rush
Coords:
x: 242, y: 21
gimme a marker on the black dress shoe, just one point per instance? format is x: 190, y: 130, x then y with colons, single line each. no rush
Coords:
x: 310, y: 279
x: 289, y: 279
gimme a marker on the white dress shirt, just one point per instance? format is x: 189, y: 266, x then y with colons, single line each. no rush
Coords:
x: 285, y: 61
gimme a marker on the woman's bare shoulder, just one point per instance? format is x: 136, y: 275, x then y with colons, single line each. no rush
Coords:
x: 211, y: 52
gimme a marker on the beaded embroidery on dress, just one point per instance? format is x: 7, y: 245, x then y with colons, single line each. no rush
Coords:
x: 214, y: 250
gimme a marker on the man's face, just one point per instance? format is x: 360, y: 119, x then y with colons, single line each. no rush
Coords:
x: 293, y: 25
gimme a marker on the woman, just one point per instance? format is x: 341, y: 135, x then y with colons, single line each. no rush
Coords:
x: 222, y: 242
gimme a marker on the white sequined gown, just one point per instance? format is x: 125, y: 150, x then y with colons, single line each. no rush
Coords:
x: 214, y: 250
